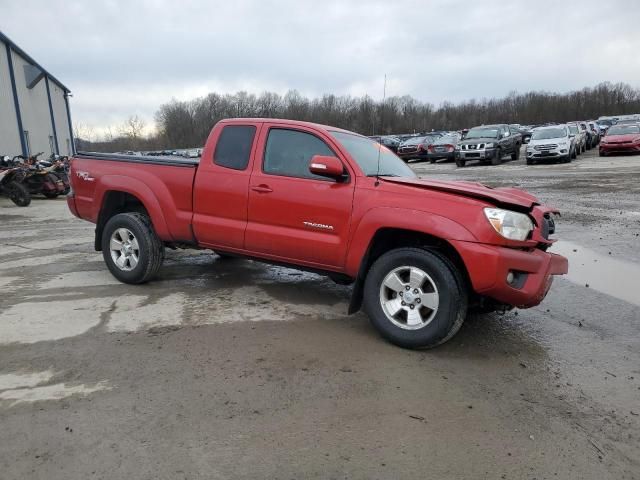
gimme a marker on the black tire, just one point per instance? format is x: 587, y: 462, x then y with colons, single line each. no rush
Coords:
x: 460, y: 162
x: 432, y: 160
x: 497, y: 158
x: 516, y: 153
x: 18, y: 193
x: 50, y: 194
x: 151, y: 249
x: 453, y: 298
x: 601, y: 153
x: 574, y: 155
x: 530, y: 161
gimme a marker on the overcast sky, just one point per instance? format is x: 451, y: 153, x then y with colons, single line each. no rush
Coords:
x: 127, y: 57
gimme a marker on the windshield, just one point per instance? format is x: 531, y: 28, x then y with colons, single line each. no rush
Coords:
x: 573, y: 129
x: 414, y: 140
x: 623, y: 130
x: 447, y: 139
x: 548, y: 133
x: 607, y: 123
x: 482, y: 133
x: 366, y: 153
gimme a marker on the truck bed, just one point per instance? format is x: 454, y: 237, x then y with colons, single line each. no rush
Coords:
x: 164, y: 185
x: 118, y: 157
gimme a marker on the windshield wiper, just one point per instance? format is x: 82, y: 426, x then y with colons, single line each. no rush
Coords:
x: 383, y: 175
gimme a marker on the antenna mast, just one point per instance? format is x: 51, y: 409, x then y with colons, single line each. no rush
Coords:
x: 384, y: 98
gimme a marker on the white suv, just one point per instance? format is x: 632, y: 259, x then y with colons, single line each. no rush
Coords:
x: 551, y: 143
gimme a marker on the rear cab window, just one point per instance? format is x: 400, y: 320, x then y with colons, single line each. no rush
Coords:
x: 233, y: 148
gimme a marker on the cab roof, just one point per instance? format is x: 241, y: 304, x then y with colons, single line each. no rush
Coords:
x: 326, y: 128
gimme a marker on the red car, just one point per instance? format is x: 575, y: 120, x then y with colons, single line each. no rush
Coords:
x: 418, y: 252
x: 620, y: 139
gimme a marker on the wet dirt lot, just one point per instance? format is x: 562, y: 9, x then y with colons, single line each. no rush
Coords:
x: 234, y: 369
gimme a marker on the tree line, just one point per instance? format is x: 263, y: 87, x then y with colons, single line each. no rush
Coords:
x: 185, y: 124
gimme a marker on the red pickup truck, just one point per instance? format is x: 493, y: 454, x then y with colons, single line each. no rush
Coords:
x: 419, y: 252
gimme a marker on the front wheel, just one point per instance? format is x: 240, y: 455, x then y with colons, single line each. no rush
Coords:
x: 460, y: 162
x: 497, y: 158
x: 19, y: 194
x: 415, y: 298
x: 131, y: 249
x: 516, y: 153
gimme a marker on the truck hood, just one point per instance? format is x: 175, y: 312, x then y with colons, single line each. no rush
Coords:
x: 473, y: 141
x: 497, y: 196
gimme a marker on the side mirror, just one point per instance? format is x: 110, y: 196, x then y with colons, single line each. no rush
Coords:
x: 326, y: 166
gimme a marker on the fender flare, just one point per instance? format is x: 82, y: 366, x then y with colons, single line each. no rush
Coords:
x: 381, y: 218
x: 140, y: 190
x: 418, y: 221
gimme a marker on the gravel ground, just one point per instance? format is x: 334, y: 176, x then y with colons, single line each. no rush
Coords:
x: 234, y: 369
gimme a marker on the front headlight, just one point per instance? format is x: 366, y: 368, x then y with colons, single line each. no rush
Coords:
x: 489, y: 145
x: 511, y: 225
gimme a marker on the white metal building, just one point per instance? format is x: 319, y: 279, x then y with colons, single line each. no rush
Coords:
x: 34, y: 106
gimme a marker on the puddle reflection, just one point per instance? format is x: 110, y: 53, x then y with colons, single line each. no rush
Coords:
x: 601, y: 272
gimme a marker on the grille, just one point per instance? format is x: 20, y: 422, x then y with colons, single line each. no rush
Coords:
x: 548, y: 146
x: 478, y: 146
x: 408, y: 149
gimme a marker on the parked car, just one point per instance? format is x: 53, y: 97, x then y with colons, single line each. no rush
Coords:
x: 589, y: 137
x: 594, y: 131
x: 627, y: 121
x: 551, y: 143
x: 443, y: 147
x: 620, y: 139
x: 603, y: 125
x: 416, y: 147
x: 580, y: 137
x: 488, y: 143
x: 523, y: 130
x: 390, y: 141
x: 418, y: 252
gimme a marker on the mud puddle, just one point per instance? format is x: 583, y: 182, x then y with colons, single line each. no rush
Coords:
x: 604, y: 273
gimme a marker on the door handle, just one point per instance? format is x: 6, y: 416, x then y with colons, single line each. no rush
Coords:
x: 261, y: 188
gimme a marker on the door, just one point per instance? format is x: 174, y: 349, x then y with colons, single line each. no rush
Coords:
x: 221, y: 187
x: 295, y: 215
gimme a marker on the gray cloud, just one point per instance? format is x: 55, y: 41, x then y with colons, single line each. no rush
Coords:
x: 128, y: 57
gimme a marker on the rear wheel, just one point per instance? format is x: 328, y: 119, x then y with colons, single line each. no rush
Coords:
x: 415, y: 298
x: 516, y: 153
x: 131, y: 249
x: 497, y: 158
x: 18, y: 193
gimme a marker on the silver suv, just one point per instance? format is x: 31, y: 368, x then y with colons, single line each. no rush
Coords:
x: 551, y: 143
